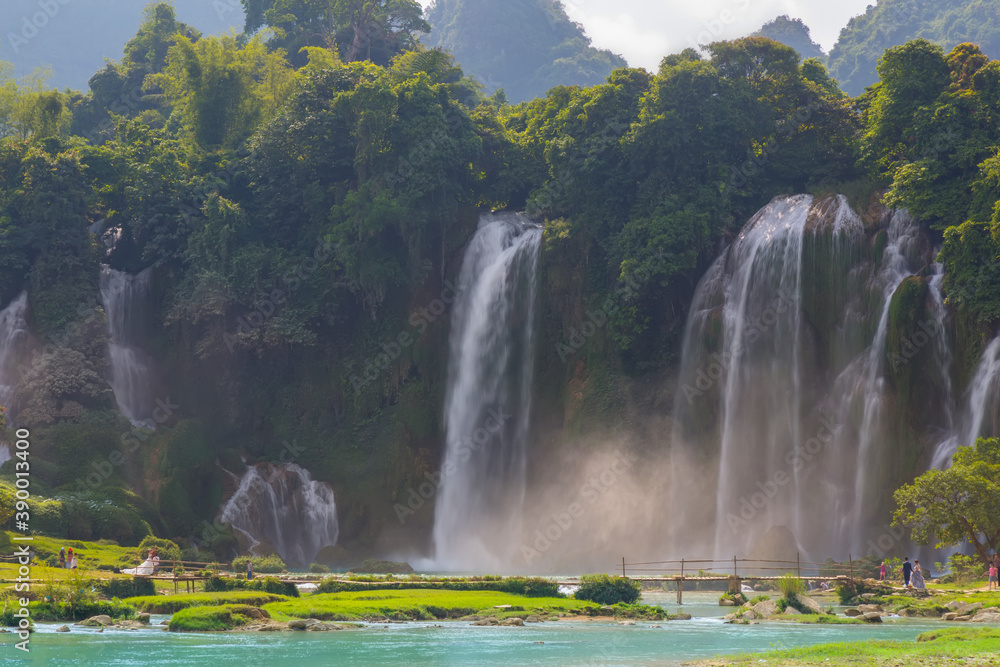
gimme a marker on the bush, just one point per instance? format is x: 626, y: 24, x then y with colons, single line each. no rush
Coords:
x: 125, y: 588
x: 261, y: 564
x: 527, y: 586
x: 319, y: 568
x: 165, y: 549
x: 265, y: 584
x: 790, y: 586
x: 74, y: 611
x: 212, y: 619
x: 607, y: 590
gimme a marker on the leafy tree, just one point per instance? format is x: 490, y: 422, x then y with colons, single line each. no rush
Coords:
x: 957, y: 505
x: 222, y: 90
x: 374, y: 30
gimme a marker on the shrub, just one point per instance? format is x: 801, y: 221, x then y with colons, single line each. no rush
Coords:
x: 261, y: 564
x: 790, y: 586
x: 209, y: 619
x: 265, y: 584
x: 72, y: 611
x: 607, y: 590
x: 165, y: 549
x: 319, y: 568
x: 527, y: 586
x: 125, y: 588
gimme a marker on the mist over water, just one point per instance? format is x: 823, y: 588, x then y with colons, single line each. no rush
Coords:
x: 789, y: 425
x: 487, y: 407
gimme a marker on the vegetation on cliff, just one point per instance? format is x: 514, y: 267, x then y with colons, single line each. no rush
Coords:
x: 303, y: 213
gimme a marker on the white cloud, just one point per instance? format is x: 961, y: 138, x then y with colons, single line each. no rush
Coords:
x: 644, y: 31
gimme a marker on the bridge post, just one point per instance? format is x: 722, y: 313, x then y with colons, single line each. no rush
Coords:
x: 680, y: 584
x: 735, y: 585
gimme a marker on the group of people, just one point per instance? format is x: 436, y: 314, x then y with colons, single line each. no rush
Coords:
x: 913, y: 574
x: 67, y: 561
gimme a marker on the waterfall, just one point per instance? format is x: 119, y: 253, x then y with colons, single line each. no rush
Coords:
x: 13, y: 338
x: 488, y: 399
x: 982, y: 406
x: 125, y: 297
x: 784, y: 386
x: 284, y: 507
x: 869, y: 385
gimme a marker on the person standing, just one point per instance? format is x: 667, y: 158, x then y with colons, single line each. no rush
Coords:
x: 907, y: 571
x: 249, y: 569
x: 993, y: 576
x: 881, y: 572
x: 72, y: 560
x: 62, y: 558
x: 917, y: 578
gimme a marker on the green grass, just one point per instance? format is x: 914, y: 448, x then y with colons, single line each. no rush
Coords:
x: 169, y: 604
x: 952, y: 646
x: 940, y: 600
x: 90, y: 554
x: 418, y: 605
x: 816, y: 619
x: 210, y: 619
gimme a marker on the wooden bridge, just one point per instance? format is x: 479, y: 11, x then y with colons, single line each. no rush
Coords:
x: 733, y: 572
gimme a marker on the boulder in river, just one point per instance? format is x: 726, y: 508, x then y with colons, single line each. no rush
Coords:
x: 94, y: 621
x: 62, y: 628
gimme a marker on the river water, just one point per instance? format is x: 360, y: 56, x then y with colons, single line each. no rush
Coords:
x: 453, y: 643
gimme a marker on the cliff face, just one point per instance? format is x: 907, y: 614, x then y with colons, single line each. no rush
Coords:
x: 361, y: 409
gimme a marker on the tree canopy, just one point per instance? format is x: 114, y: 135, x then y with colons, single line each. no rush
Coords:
x: 854, y: 58
x: 959, y: 505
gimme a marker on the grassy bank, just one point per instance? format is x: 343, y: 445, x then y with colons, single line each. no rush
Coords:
x: 411, y: 605
x: 169, y: 604
x: 951, y: 646
x: 213, y: 619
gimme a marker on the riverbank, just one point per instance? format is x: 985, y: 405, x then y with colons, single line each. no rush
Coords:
x: 947, y: 646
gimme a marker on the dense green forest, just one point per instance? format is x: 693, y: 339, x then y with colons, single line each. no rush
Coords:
x: 888, y: 23
x: 300, y: 195
x: 524, y: 47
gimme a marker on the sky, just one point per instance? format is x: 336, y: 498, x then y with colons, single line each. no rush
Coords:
x: 80, y: 35
x: 643, y: 31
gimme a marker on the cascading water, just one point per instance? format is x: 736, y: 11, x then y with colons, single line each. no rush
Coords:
x: 981, y: 415
x: 124, y: 297
x: 488, y: 401
x: 13, y: 338
x: 784, y: 385
x: 284, y: 507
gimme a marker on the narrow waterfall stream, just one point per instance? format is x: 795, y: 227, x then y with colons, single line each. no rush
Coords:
x: 13, y: 337
x: 286, y: 508
x: 980, y: 415
x: 124, y: 297
x: 488, y: 400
